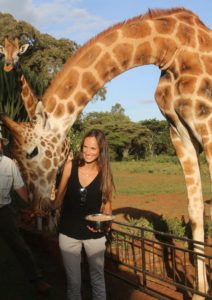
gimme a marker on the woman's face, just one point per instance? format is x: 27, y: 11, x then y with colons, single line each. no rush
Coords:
x: 90, y: 150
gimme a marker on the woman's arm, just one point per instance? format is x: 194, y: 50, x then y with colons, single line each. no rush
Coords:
x: 107, y: 208
x: 62, y: 185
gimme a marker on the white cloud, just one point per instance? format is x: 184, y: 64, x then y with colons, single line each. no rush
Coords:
x: 60, y: 18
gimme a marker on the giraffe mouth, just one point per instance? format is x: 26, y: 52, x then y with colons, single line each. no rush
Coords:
x: 8, y: 68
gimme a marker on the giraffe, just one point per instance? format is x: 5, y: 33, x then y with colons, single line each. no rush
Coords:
x: 11, y: 52
x: 180, y: 45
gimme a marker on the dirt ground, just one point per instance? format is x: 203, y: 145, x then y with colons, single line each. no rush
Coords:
x: 167, y: 205
x: 149, y: 206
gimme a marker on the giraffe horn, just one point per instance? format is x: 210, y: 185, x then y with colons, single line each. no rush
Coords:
x: 6, y: 41
x: 16, y: 42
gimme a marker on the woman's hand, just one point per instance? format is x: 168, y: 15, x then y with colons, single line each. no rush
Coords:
x: 53, y: 204
x: 93, y: 230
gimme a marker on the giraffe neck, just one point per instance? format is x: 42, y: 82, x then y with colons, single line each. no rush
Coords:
x: 28, y: 97
x: 139, y: 41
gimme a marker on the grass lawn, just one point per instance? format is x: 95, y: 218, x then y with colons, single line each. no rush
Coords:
x: 153, y: 177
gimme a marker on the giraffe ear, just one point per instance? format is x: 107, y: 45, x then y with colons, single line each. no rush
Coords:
x: 23, y: 49
x: 1, y: 49
x: 40, y: 116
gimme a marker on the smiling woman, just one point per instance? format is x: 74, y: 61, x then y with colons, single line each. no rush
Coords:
x: 85, y: 188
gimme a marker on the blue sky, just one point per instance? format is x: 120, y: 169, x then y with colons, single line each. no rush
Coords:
x: 80, y: 20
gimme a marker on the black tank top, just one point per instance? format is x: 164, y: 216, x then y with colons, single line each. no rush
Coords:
x: 72, y: 222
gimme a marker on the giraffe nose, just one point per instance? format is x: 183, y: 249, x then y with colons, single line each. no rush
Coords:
x: 8, y: 67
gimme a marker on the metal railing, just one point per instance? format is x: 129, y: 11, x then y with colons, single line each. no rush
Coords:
x: 148, y: 256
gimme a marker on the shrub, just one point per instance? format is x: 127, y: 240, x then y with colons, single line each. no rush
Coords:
x: 176, y: 227
x: 208, y: 229
x: 141, y: 222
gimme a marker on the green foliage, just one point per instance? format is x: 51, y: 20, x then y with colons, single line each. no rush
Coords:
x: 10, y: 98
x: 45, y: 56
x: 126, y: 138
x: 129, y: 140
x: 176, y: 227
x: 208, y: 229
x: 74, y: 138
x: 141, y: 223
x: 159, y: 140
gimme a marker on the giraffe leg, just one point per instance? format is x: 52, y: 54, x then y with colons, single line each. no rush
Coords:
x: 187, y: 155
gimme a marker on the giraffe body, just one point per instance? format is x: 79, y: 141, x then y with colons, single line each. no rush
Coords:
x: 181, y: 46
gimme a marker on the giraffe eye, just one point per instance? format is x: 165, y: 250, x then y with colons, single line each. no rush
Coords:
x: 32, y: 154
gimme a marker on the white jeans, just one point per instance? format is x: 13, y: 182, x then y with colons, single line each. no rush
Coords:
x: 71, y: 253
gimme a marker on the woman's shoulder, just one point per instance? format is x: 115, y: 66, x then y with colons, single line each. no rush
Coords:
x: 68, y: 166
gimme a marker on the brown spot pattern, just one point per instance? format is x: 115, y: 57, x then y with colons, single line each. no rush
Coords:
x: 48, y: 154
x: 186, y: 35
x: 46, y: 163
x: 59, y: 111
x: 189, y: 181
x: 70, y: 107
x: 184, y: 17
x: 165, y: 77
x: 81, y: 99
x: 50, y: 175
x: 205, y: 89
x: 208, y: 150
x: 188, y: 167
x: 202, y: 110
x: 164, y: 46
x: 143, y: 54
x: 89, y: 57
x: 107, y: 68
x: 202, y: 129
x: 136, y: 30
x: 39, y: 171
x: 54, y: 140
x: 68, y: 85
x: 123, y: 53
x: 50, y: 104
x: 185, y: 85
x: 165, y: 25
x: 184, y: 108
x: 90, y: 84
x: 189, y: 62
x: 55, y: 162
x: 207, y: 63
x: 205, y: 41
x: 164, y: 97
x: 210, y: 124
x: 179, y: 148
x: 109, y: 38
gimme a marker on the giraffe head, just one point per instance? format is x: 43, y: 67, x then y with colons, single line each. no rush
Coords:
x: 11, y: 52
x: 38, y: 153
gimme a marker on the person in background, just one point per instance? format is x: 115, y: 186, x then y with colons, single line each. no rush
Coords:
x: 86, y: 187
x: 10, y: 178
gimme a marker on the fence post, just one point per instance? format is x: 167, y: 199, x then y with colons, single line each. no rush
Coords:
x: 143, y: 256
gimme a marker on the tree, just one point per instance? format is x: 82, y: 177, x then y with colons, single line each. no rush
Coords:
x: 127, y: 139
x: 159, y: 139
x: 117, y: 109
x: 43, y: 59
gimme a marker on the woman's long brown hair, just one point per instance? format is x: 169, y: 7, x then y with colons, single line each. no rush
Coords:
x: 106, y: 177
